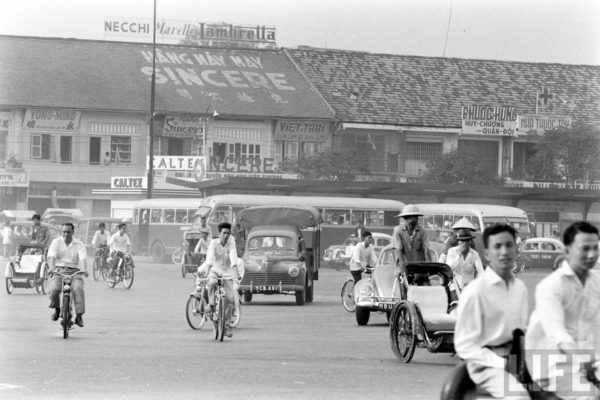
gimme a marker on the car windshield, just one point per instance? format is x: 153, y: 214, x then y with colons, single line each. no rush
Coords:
x: 271, y: 245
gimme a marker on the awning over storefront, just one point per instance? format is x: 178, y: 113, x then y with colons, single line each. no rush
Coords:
x: 116, y: 76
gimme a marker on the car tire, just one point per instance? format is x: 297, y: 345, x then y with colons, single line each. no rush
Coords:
x: 300, y: 297
x: 362, y: 315
x: 310, y: 292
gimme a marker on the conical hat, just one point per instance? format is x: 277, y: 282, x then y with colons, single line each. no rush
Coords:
x: 463, y: 223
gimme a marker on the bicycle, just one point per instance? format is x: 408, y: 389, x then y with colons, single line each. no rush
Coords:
x: 348, y: 295
x: 123, y: 273
x: 100, y: 264
x: 195, y: 309
x: 65, y: 311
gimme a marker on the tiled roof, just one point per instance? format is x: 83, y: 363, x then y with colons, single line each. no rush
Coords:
x: 429, y: 91
x: 100, y: 75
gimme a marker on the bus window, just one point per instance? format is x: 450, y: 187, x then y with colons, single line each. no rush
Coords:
x: 169, y: 215
x: 156, y: 216
x: 337, y: 217
x: 181, y: 216
x: 367, y: 217
x: 220, y: 214
x: 136, y: 215
x: 235, y: 211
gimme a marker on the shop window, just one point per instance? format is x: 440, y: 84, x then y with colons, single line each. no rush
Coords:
x: 286, y: 152
x: 369, y: 147
x: 95, y: 150
x: 419, y: 154
x: 310, y: 149
x: 65, y: 149
x: 243, y: 150
x: 120, y: 149
x: 3, y: 140
x: 40, y: 146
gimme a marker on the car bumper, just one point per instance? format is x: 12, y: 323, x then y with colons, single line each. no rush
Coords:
x: 376, y: 304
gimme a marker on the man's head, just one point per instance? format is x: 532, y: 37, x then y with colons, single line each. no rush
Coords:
x: 203, y: 220
x: 122, y: 228
x: 67, y: 232
x: 411, y: 215
x: 204, y: 234
x: 581, y: 239
x: 101, y: 226
x: 500, y: 243
x: 224, y: 231
x: 367, y: 238
x: 36, y: 219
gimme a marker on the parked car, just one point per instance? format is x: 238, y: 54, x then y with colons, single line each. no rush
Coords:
x: 338, y: 255
x: 541, y: 252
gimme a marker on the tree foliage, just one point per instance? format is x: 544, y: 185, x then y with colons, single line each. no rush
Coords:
x: 566, y: 154
x: 460, y: 167
x: 329, y: 165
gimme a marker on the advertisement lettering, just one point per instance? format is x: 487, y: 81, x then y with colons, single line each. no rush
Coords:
x: 538, y: 124
x: 305, y: 131
x: 489, y: 120
x: 183, y: 127
x: 51, y: 119
x: 128, y: 182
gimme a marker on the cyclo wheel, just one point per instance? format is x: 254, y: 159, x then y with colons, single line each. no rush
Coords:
x: 195, y: 312
x: 66, y: 312
x: 96, y: 269
x: 128, y: 275
x: 403, y: 330
x: 236, y: 313
x: 348, y: 295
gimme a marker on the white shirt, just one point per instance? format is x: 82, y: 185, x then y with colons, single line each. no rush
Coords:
x: 119, y: 243
x: 487, y: 314
x: 100, y: 239
x: 201, y: 246
x: 221, y: 258
x: 465, y: 268
x: 6, y: 232
x: 362, y: 256
x: 67, y: 256
x: 565, y: 312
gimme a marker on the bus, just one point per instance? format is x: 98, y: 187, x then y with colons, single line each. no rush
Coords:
x: 158, y: 235
x: 439, y: 218
x: 158, y: 225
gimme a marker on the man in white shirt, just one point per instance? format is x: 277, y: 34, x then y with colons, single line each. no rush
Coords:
x: 202, y: 245
x: 6, y: 239
x: 67, y: 254
x: 564, y: 330
x: 222, y: 262
x: 101, y: 236
x: 119, y: 245
x: 490, y: 309
x: 363, y: 255
x: 464, y: 261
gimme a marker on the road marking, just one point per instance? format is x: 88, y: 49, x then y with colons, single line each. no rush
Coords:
x: 4, y: 386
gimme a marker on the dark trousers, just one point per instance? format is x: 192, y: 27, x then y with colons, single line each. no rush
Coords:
x: 357, y: 275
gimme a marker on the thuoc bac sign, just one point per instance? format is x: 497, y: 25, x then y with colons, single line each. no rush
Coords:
x: 489, y: 120
x: 538, y: 124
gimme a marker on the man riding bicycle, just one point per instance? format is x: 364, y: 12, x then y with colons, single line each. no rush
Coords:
x: 222, y: 262
x: 120, y: 245
x: 100, y: 239
x: 67, y: 254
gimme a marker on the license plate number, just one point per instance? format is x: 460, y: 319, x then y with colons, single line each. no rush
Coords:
x: 265, y: 288
x: 385, y: 306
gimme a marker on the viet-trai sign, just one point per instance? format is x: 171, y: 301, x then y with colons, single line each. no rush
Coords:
x: 182, y: 127
x: 302, y: 131
x: 128, y: 182
x: 538, y: 123
x: 489, y: 120
x: 173, y: 31
x: 51, y: 119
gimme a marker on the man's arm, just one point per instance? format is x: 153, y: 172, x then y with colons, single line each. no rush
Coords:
x: 372, y: 256
x: 52, y: 254
x: 233, y: 252
x: 426, y: 246
x: 82, y: 257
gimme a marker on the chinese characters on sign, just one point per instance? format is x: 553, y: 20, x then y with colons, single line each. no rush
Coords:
x: 48, y: 119
x: 487, y: 120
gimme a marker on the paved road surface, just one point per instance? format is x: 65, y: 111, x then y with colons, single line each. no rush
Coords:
x: 137, y: 344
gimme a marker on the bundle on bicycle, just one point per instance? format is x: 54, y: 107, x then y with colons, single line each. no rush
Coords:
x: 28, y: 270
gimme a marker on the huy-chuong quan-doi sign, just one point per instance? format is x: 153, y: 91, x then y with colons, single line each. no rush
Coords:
x: 489, y: 120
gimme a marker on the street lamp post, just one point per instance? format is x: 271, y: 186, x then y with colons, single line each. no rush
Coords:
x: 152, y: 88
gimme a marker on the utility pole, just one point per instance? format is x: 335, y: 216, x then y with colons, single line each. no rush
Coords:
x: 152, y: 88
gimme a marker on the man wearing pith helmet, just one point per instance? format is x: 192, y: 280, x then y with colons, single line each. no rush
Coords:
x: 409, y: 238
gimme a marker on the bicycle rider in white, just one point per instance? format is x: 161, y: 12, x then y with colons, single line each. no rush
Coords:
x: 67, y: 254
x: 363, y: 255
x: 119, y: 246
x: 222, y: 262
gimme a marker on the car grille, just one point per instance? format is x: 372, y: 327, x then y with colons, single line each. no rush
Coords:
x: 273, y: 278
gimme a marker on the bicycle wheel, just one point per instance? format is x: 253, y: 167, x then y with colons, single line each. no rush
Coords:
x: 348, y: 295
x: 194, y: 312
x: 96, y: 269
x: 128, y: 276
x: 110, y: 279
x: 220, y: 320
x: 236, y: 313
x: 66, y: 311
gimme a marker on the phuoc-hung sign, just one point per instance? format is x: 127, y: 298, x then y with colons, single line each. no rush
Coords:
x: 302, y: 131
x: 489, y: 120
x: 182, y: 127
x: 51, y: 119
x: 128, y: 182
x: 538, y: 124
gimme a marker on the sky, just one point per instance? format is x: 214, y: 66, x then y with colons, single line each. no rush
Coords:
x: 548, y: 31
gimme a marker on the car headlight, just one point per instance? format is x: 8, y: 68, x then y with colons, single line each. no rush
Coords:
x: 294, y: 271
x: 366, y: 290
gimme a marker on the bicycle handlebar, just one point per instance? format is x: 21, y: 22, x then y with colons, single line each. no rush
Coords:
x: 50, y: 273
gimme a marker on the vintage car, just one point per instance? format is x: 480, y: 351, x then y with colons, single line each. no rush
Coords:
x: 541, y: 252
x: 338, y: 257
x: 279, y: 246
x: 380, y: 289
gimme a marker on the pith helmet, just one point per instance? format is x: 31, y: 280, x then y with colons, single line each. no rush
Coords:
x: 410, y: 210
x: 464, y: 234
x: 464, y: 223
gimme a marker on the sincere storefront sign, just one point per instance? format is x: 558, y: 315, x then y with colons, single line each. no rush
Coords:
x: 489, y: 120
x: 175, y: 163
x: 182, y: 127
x: 51, y: 119
x: 301, y: 131
x: 128, y: 182
x: 538, y: 124
x: 14, y: 178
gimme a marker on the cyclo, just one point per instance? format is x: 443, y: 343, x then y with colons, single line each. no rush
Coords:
x: 29, y: 269
x: 190, y: 260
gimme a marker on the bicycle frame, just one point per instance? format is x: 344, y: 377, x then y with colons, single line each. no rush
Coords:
x: 67, y: 280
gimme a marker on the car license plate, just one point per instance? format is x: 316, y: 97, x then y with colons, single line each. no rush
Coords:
x: 265, y: 288
x: 385, y: 306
